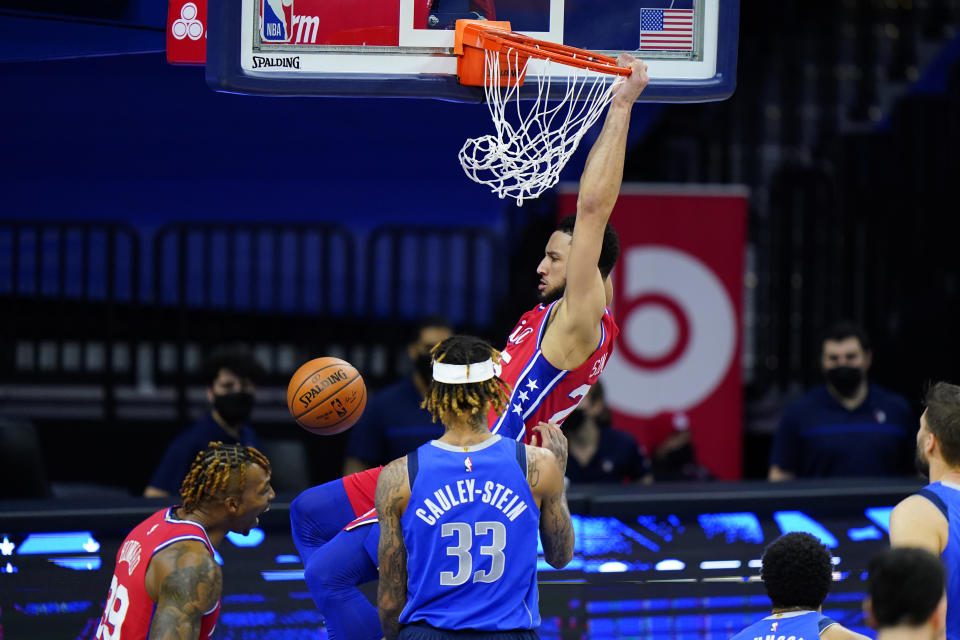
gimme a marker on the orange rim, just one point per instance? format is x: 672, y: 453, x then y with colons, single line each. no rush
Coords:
x: 476, y: 35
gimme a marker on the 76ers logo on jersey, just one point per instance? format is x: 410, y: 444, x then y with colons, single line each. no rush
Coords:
x: 276, y: 20
x: 130, y: 553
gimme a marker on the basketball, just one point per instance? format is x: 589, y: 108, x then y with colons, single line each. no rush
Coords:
x: 326, y: 396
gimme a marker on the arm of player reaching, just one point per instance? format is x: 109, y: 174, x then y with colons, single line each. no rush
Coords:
x: 393, y: 492
x: 917, y: 522
x: 549, y: 436
x: 556, y: 527
x: 186, y: 583
x: 584, y: 296
x: 838, y: 632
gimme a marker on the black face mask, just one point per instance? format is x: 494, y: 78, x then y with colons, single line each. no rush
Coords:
x: 574, y: 422
x: 235, y: 408
x: 423, y: 367
x: 844, y: 380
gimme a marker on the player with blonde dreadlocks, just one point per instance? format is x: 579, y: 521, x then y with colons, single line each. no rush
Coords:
x: 553, y: 356
x: 489, y: 492
x: 171, y: 584
x: 212, y: 470
x: 475, y: 399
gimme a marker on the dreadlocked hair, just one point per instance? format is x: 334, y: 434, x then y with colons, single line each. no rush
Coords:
x: 213, y: 468
x: 474, y: 398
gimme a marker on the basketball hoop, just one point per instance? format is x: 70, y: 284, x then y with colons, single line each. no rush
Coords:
x: 524, y: 158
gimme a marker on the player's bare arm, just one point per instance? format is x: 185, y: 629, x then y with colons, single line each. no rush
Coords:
x: 917, y: 522
x: 393, y: 493
x: 556, y: 527
x: 838, y: 632
x: 185, y: 582
x: 549, y: 436
x: 577, y: 318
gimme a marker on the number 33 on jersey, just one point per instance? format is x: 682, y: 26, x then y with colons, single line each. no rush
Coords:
x: 542, y: 392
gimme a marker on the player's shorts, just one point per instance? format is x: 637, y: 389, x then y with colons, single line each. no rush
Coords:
x: 421, y: 631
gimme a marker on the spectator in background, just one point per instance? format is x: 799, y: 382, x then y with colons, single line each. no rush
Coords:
x: 231, y: 375
x: 597, y: 451
x: 848, y: 426
x: 675, y: 459
x: 906, y: 600
x: 394, y: 423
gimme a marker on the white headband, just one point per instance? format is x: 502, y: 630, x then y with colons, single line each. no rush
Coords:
x: 465, y: 373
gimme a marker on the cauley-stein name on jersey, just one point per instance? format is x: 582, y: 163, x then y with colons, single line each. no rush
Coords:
x: 462, y: 492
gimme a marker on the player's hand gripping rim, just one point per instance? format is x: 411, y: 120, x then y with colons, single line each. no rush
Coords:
x: 630, y: 88
x: 549, y: 436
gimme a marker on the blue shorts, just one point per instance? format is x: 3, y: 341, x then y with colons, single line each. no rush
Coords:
x: 422, y: 631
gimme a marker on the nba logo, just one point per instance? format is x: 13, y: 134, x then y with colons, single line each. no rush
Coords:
x: 276, y: 20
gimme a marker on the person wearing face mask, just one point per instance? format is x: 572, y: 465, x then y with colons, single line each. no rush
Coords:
x: 393, y: 422
x: 231, y: 375
x: 847, y: 426
x: 598, y: 452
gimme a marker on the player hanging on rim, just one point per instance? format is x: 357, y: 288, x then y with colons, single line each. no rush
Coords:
x: 552, y: 357
x: 171, y: 585
x: 459, y: 515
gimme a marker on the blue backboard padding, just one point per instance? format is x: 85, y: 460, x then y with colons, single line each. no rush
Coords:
x: 224, y: 72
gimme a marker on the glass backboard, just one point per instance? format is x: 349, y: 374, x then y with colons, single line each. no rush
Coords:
x: 404, y: 48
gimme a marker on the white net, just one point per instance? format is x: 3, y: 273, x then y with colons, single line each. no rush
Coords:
x: 526, y: 154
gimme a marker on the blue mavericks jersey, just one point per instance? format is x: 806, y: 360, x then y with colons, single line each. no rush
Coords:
x: 793, y: 625
x: 470, y: 529
x: 946, y: 496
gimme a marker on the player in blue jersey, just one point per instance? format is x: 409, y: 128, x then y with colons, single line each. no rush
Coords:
x: 906, y: 598
x: 927, y: 518
x: 574, y: 339
x: 797, y: 573
x: 459, y: 516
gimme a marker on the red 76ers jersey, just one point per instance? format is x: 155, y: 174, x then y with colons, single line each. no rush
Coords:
x: 542, y: 392
x: 129, y: 610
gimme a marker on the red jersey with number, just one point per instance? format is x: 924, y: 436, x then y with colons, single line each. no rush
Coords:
x: 129, y: 609
x: 541, y: 391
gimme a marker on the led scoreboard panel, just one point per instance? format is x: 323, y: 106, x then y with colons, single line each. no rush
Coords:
x: 663, y: 561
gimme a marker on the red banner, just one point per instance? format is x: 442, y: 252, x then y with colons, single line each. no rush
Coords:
x: 187, y: 32
x: 678, y: 290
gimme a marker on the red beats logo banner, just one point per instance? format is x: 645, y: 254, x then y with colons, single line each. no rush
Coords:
x: 678, y: 301
x: 187, y: 32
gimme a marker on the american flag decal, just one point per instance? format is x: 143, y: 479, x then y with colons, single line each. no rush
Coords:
x: 666, y: 30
